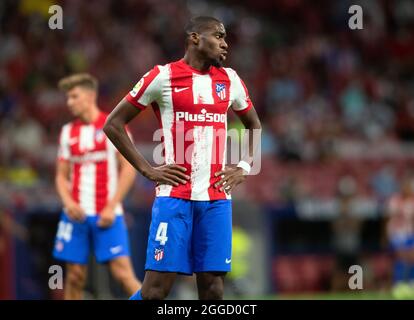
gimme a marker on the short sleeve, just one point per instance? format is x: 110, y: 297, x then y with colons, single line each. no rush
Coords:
x: 64, y: 145
x: 239, y: 94
x: 146, y: 90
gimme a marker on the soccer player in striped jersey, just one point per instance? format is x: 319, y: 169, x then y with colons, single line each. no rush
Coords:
x: 92, y: 179
x: 400, y: 231
x: 191, y: 222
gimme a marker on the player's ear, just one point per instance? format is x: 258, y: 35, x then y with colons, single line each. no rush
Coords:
x: 92, y: 95
x: 195, y: 38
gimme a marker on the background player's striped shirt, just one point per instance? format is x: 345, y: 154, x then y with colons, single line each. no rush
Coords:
x: 94, y: 164
x: 191, y: 107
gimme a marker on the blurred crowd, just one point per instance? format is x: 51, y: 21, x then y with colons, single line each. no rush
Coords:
x: 337, y: 105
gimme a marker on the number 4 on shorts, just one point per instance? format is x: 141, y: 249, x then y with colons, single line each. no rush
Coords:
x: 161, y: 235
x: 65, y: 231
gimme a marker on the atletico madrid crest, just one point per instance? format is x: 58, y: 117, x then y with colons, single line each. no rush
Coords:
x: 99, y: 135
x: 159, y: 254
x: 59, y: 246
x: 221, y: 90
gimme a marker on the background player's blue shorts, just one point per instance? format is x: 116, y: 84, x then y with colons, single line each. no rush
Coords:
x: 402, y: 241
x: 74, y: 240
x: 189, y: 236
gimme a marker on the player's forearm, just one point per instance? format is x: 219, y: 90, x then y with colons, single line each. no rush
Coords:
x: 116, y: 132
x: 126, y: 179
x: 62, y: 187
x: 251, y: 140
x: 250, y: 144
x: 252, y: 135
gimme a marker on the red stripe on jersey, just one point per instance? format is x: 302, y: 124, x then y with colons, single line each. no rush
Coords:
x: 179, y: 80
x: 218, y: 140
x: 157, y: 113
x: 74, y: 136
x: 146, y: 80
x: 215, y: 193
x: 101, y: 185
x: 101, y: 175
x: 75, y: 181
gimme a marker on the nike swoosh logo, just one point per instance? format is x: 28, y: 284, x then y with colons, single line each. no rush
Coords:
x: 115, y: 250
x: 180, y: 89
x: 228, y: 261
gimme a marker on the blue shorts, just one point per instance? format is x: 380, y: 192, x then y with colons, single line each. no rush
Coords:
x: 189, y: 236
x: 402, y: 241
x: 75, y: 239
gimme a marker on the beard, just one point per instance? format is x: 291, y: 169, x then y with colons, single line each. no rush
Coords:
x: 216, y: 63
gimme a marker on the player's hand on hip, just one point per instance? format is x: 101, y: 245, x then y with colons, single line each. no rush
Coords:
x: 107, y: 217
x: 171, y: 174
x: 75, y: 212
x: 230, y: 177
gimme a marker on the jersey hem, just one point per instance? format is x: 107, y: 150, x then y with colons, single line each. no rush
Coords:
x: 243, y: 111
x: 188, y: 197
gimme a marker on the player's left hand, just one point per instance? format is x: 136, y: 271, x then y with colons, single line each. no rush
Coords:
x: 106, y: 217
x: 231, y: 176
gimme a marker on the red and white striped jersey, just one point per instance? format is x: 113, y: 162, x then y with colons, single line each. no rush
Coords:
x: 191, y: 107
x: 401, y: 215
x: 94, y: 164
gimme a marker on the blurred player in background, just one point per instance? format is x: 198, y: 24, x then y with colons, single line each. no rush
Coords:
x: 400, y: 231
x: 191, y: 223
x: 92, y: 179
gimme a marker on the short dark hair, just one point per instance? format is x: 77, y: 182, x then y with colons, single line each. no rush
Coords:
x: 84, y: 80
x: 199, y: 24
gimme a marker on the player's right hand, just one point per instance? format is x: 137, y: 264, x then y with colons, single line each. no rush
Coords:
x: 74, y: 211
x: 170, y: 174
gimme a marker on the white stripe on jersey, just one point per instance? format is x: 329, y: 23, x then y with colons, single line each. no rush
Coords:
x: 64, y: 144
x: 201, y: 162
x: 86, y: 137
x: 202, y: 89
x: 87, y: 188
x: 87, y: 180
x: 167, y: 120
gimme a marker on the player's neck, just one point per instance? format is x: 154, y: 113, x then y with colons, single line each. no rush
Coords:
x: 90, y: 115
x: 196, y: 63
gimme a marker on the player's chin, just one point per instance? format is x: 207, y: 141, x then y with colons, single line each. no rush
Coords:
x: 218, y: 63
